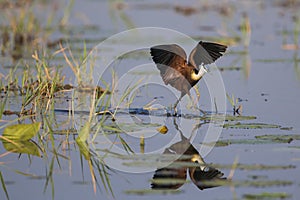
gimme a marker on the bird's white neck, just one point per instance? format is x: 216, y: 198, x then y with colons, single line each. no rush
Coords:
x: 198, y: 76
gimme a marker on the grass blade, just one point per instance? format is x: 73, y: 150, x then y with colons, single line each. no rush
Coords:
x: 3, y: 186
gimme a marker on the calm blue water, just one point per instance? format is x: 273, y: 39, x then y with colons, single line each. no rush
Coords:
x: 269, y: 90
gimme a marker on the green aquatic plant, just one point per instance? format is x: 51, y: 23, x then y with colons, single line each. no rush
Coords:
x: 245, y: 28
x: 3, y: 104
x: 152, y: 192
x: 40, y: 85
x: 267, y: 195
x: 4, y: 186
x: 250, y: 125
x: 21, y: 132
x: 17, y: 138
x: 234, y: 103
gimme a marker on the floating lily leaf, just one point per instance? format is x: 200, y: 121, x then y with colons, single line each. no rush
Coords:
x: 149, y: 192
x: 27, y: 147
x: 254, y: 167
x: 279, y: 138
x: 252, y: 183
x: 266, y: 195
x: 222, y: 143
x: 219, y: 117
x: 286, y: 128
x: 168, y: 181
x: 261, y: 139
x: 21, y: 132
x: 250, y: 125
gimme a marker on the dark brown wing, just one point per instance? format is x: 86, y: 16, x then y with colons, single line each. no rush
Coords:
x: 206, y: 53
x: 169, y: 178
x: 206, y: 178
x: 170, y: 60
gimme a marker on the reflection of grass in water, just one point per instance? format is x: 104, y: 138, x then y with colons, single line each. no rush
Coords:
x: 294, y: 46
x: 233, y: 102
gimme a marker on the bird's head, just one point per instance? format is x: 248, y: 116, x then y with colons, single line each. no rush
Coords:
x: 196, y: 158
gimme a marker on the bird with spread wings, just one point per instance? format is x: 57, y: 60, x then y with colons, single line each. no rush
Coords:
x: 180, y: 73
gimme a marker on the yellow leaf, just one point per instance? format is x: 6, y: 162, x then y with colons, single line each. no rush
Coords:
x: 162, y: 129
x: 21, y: 132
x: 83, y: 148
x: 27, y: 147
x: 81, y: 141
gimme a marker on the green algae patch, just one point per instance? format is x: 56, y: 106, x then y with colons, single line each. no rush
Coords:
x: 150, y: 191
x: 250, y: 125
x: 279, y: 138
x: 267, y: 195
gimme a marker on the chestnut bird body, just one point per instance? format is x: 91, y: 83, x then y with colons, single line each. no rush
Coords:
x: 180, y: 73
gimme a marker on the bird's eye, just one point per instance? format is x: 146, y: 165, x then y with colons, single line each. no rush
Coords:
x: 196, y: 161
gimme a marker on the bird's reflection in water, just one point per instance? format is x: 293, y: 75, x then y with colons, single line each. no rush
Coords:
x: 174, y: 175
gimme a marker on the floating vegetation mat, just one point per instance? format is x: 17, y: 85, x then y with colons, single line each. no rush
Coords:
x: 267, y: 195
x: 260, y: 139
x: 250, y: 125
x: 149, y: 192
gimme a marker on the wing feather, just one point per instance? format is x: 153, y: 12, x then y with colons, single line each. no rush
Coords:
x: 206, y: 53
x: 170, y: 60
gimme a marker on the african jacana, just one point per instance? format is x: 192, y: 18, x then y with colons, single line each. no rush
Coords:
x: 171, y: 60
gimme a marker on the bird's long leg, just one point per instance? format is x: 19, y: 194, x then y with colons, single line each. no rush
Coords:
x: 176, y: 103
x: 195, y: 104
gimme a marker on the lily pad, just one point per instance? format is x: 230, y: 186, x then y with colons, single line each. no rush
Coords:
x: 21, y: 132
